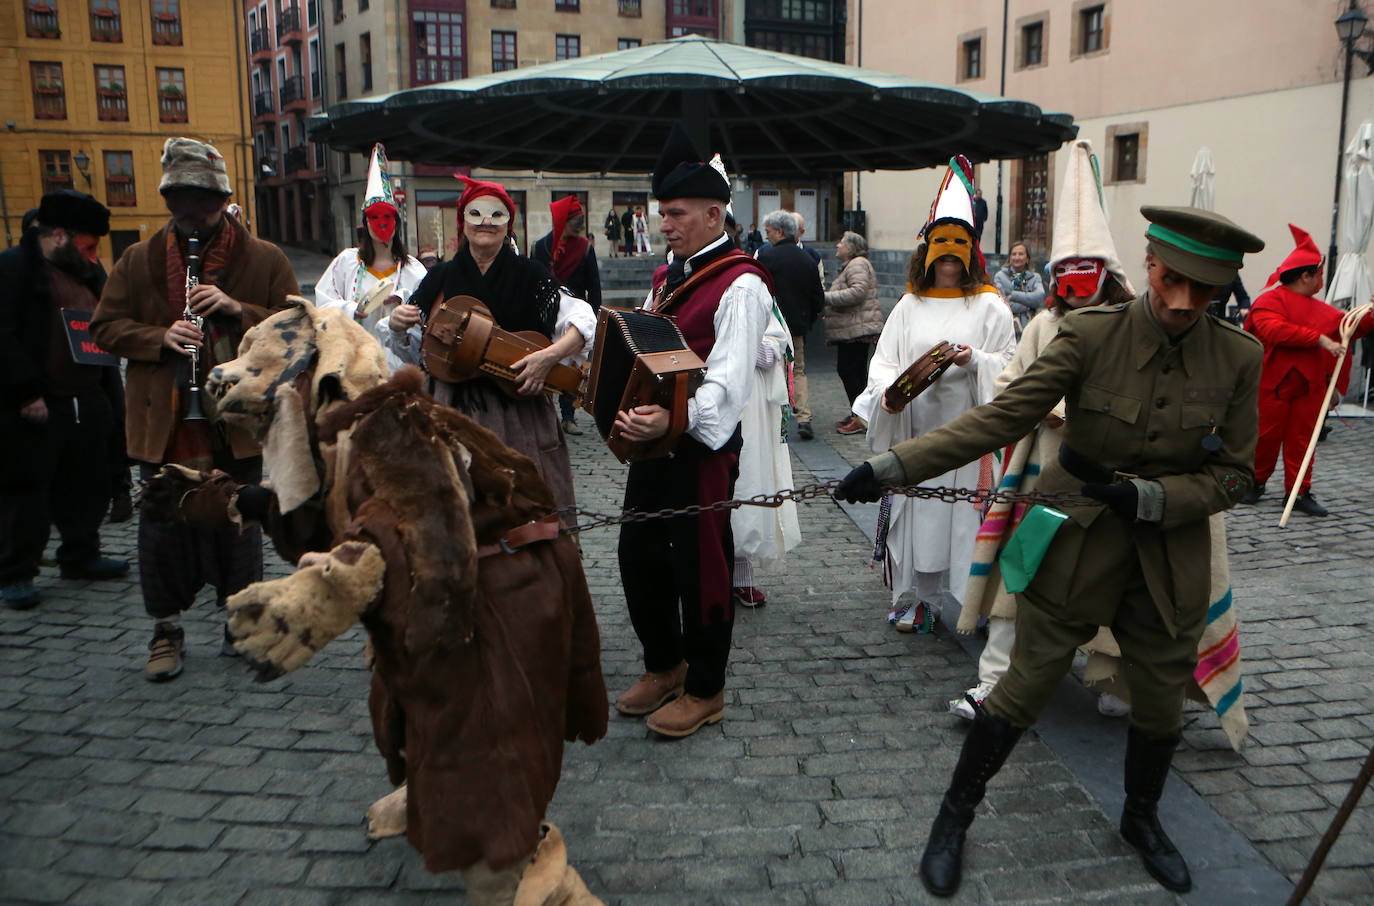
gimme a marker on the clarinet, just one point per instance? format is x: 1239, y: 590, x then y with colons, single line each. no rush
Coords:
x: 194, y: 413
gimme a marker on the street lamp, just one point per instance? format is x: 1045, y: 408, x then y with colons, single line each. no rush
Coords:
x: 83, y: 163
x: 1350, y: 27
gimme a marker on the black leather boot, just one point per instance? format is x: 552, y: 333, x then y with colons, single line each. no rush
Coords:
x: 1147, y: 767
x: 989, y: 742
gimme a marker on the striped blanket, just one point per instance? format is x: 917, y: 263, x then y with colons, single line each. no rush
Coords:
x: 1218, y: 677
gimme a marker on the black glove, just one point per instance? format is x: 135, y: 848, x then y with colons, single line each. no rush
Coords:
x: 859, y: 486
x: 253, y: 501
x: 1122, y: 498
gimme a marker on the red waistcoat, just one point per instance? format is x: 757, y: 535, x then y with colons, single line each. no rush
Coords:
x: 696, y: 313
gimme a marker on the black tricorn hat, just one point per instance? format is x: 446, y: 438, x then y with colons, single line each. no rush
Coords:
x: 682, y: 173
x: 75, y: 211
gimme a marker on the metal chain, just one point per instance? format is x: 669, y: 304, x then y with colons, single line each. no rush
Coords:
x: 980, y: 496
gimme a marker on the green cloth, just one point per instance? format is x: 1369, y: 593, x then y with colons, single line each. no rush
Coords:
x: 1021, y: 557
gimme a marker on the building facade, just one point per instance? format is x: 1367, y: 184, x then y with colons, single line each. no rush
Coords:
x: 286, y: 76
x: 92, y: 89
x: 1258, y: 82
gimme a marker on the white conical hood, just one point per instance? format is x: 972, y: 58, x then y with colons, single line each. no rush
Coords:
x: 378, y: 180
x: 955, y: 200
x: 1080, y: 215
x: 719, y: 166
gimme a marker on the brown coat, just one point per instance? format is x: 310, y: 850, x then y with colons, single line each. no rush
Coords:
x: 852, y: 311
x: 133, y: 317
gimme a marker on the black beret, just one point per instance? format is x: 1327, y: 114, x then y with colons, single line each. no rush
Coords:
x: 75, y: 211
x: 681, y: 172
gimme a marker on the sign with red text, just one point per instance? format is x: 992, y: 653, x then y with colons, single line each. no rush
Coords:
x: 77, y: 323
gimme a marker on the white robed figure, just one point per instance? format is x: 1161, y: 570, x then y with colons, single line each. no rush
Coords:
x: 764, y: 535
x: 369, y: 281
x: 950, y: 299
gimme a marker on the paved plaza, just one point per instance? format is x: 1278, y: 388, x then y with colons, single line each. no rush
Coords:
x: 817, y: 788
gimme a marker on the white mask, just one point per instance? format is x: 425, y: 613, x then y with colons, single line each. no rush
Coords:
x: 486, y: 209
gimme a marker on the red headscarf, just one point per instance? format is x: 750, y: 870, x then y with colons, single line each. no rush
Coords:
x: 475, y: 188
x: 1305, y: 255
x: 565, y: 254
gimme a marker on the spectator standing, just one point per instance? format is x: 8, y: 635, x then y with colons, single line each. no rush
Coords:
x: 58, y: 414
x: 753, y: 241
x: 1301, y: 337
x: 801, y: 297
x: 572, y: 260
x: 853, y: 321
x: 980, y: 212
x: 1020, y: 284
x: 611, y: 228
x: 627, y: 225
x: 140, y: 317
x: 642, y: 233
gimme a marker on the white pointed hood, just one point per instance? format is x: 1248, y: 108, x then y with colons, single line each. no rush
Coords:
x: 955, y: 198
x: 1080, y: 215
x: 719, y: 166
x: 378, y: 180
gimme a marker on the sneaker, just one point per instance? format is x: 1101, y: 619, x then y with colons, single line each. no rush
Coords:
x: 1109, y: 705
x: 570, y: 427
x: 960, y: 706
x: 1253, y: 495
x: 748, y: 596
x: 1306, y: 503
x: 851, y: 425
x: 164, y: 653
x: 121, y: 507
x: 97, y: 568
x: 804, y: 431
x: 897, y: 613
x: 20, y: 595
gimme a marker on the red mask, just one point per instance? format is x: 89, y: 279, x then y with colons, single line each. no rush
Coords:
x: 381, y: 222
x: 1084, y: 276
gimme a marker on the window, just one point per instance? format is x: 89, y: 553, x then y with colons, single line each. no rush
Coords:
x: 502, y: 51
x: 314, y: 67
x: 627, y: 43
x: 365, y: 57
x: 567, y: 6
x: 346, y: 167
x: 1033, y: 44
x: 57, y: 170
x: 167, y: 22
x: 119, y: 179
x: 1126, y: 143
x: 503, y: 4
x: 312, y: 13
x: 567, y: 47
x: 1030, y: 178
x: 436, y: 47
x: 40, y: 19
x: 971, y: 59
x: 338, y: 11
x: 1091, y: 28
x: 630, y: 9
x: 341, y: 71
x: 285, y: 138
x: 111, y: 100
x: 362, y: 6
x: 49, y: 97
x: 105, y: 24
x: 171, y: 95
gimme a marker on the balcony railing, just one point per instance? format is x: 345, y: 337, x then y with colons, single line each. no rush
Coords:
x: 292, y: 90
x: 111, y: 104
x: 171, y: 108
x: 288, y: 21
x: 166, y: 28
x: 262, y: 103
x: 631, y: 8
x: 49, y: 104
x: 41, y: 22
x: 106, y: 27
x: 297, y: 159
x: 259, y: 40
x: 120, y: 192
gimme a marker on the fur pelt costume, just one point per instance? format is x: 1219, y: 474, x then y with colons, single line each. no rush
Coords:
x: 484, y: 664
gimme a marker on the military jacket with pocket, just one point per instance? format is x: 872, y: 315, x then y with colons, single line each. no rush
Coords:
x: 1140, y: 406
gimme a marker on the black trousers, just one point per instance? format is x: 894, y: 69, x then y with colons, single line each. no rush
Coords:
x: 176, y: 561
x: 851, y: 364
x: 676, y: 572
x: 59, y: 476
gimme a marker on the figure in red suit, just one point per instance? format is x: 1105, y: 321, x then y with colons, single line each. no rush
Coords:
x: 1301, y: 337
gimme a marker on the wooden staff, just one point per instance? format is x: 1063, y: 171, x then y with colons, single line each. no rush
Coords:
x: 1348, y: 324
x: 1334, y: 831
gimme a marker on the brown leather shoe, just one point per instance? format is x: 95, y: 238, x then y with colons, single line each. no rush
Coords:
x: 652, y: 691
x: 687, y: 715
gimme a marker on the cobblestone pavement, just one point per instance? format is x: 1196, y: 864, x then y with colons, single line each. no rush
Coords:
x: 817, y: 788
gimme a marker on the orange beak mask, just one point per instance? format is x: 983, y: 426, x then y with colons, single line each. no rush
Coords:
x: 948, y: 239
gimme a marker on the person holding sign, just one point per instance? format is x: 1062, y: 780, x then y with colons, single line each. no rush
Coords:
x: 58, y: 409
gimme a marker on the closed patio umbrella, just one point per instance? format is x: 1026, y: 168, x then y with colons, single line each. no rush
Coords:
x: 1351, y: 284
x: 1204, y: 192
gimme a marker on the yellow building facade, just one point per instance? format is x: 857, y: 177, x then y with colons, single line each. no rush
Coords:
x: 91, y: 89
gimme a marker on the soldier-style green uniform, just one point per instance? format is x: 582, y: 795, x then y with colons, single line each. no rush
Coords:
x: 1176, y: 417
x: 1141, y: 406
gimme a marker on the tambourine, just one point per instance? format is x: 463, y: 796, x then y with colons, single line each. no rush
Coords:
x: 923, y: 372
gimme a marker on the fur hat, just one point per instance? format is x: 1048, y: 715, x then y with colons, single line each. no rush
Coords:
x: 189, y: 164
x: 74, y: 211
x: 682, y: 173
